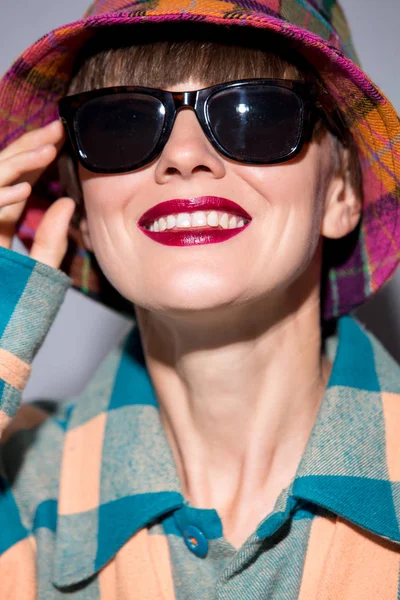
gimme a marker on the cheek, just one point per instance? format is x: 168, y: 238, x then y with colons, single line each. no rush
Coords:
x: 285, y: 201
x: 109, y: 195
x: 113, y: 206
x: 103, y: 195
x: 108, y: 201
x: 292, y: 197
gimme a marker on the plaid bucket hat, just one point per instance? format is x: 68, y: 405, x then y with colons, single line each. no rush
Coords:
x: 317, y: 29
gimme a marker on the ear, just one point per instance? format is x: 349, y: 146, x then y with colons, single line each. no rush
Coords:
x: 343, y: 205
x: 83, y: 226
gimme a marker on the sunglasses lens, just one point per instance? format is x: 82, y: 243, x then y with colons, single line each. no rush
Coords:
x: 257, y: 123
x: 118, y: 131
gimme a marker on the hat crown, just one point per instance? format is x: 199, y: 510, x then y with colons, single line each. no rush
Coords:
x: 324, y: 18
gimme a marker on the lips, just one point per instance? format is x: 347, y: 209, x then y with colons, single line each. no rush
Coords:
x: 170, y: 207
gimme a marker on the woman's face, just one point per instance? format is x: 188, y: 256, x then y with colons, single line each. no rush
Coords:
x: 267, y: 260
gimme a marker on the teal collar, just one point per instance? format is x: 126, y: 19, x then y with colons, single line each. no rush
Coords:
x: 343, y: 469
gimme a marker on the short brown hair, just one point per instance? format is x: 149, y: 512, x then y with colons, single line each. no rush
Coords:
x: 162, y: 55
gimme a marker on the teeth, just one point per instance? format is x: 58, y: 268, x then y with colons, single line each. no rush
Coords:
x: 223, y: 221
x: 198, y: 219
x: 163, y: 224
x: 171, y: 221
x: 212, y: 219
x: 183, y: 220
x: 232, y: 222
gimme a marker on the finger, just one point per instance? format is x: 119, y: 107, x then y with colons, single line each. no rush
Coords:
x: 52, y: 133
x: 51, y: 239
x: 26, y: 166
x: 45, y: 154
x: 14, y: 193
x: 13, y: 198
x: 12, y: 204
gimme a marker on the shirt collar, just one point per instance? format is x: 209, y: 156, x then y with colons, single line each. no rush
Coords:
x: 137, y: 478
x: 344, y: 467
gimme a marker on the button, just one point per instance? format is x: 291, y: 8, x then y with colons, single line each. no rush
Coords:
x: 195, y: 540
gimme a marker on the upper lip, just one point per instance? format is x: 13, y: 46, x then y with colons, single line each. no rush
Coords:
x: 179, y: 205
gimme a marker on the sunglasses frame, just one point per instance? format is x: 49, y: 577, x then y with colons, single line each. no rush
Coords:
x: 314, y: 99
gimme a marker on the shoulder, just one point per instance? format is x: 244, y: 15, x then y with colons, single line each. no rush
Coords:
x: 40, y: 427
x: 33, y: 449
x: 30, y: 454
x: 32, y: 446
x: 33, y: 415
x: 30, y: 460
x: 378, y: 378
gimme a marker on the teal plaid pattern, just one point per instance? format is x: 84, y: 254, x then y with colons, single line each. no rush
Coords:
x: 34, y: 295
x: 344, y: 473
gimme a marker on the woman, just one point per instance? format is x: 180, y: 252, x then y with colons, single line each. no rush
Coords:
x: 235, y: 445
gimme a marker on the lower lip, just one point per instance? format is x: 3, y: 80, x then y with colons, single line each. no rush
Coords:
x: 192, y: 237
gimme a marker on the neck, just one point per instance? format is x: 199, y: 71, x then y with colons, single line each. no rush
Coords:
x: 237, y: 404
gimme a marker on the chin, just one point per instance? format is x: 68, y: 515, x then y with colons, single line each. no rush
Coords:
x: 176, y: 301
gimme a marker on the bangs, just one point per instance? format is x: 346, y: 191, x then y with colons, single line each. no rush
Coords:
x: 163, y: 55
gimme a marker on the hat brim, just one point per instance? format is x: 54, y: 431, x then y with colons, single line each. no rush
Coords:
x: 31, y: 88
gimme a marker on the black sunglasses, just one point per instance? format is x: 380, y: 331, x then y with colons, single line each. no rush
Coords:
x: 252, y: 121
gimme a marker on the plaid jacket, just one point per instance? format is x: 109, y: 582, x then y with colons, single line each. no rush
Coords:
x: 91, y: 505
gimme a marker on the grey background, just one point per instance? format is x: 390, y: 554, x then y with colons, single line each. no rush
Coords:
x: 84, y: 332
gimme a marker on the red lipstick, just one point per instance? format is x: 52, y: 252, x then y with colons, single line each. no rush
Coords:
x: 192, y: 235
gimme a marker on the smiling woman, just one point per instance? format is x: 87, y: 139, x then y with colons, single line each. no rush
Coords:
x: 172, y: 54
x: 235, y: 181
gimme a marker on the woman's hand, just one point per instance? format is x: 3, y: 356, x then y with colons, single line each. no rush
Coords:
x: 21, y: 165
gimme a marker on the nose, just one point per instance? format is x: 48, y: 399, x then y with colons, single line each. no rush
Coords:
x: 188, y: 151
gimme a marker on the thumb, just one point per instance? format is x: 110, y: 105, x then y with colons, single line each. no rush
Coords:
x: 51, y: 239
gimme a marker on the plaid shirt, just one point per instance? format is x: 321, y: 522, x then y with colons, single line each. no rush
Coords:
x: 91, y: 505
